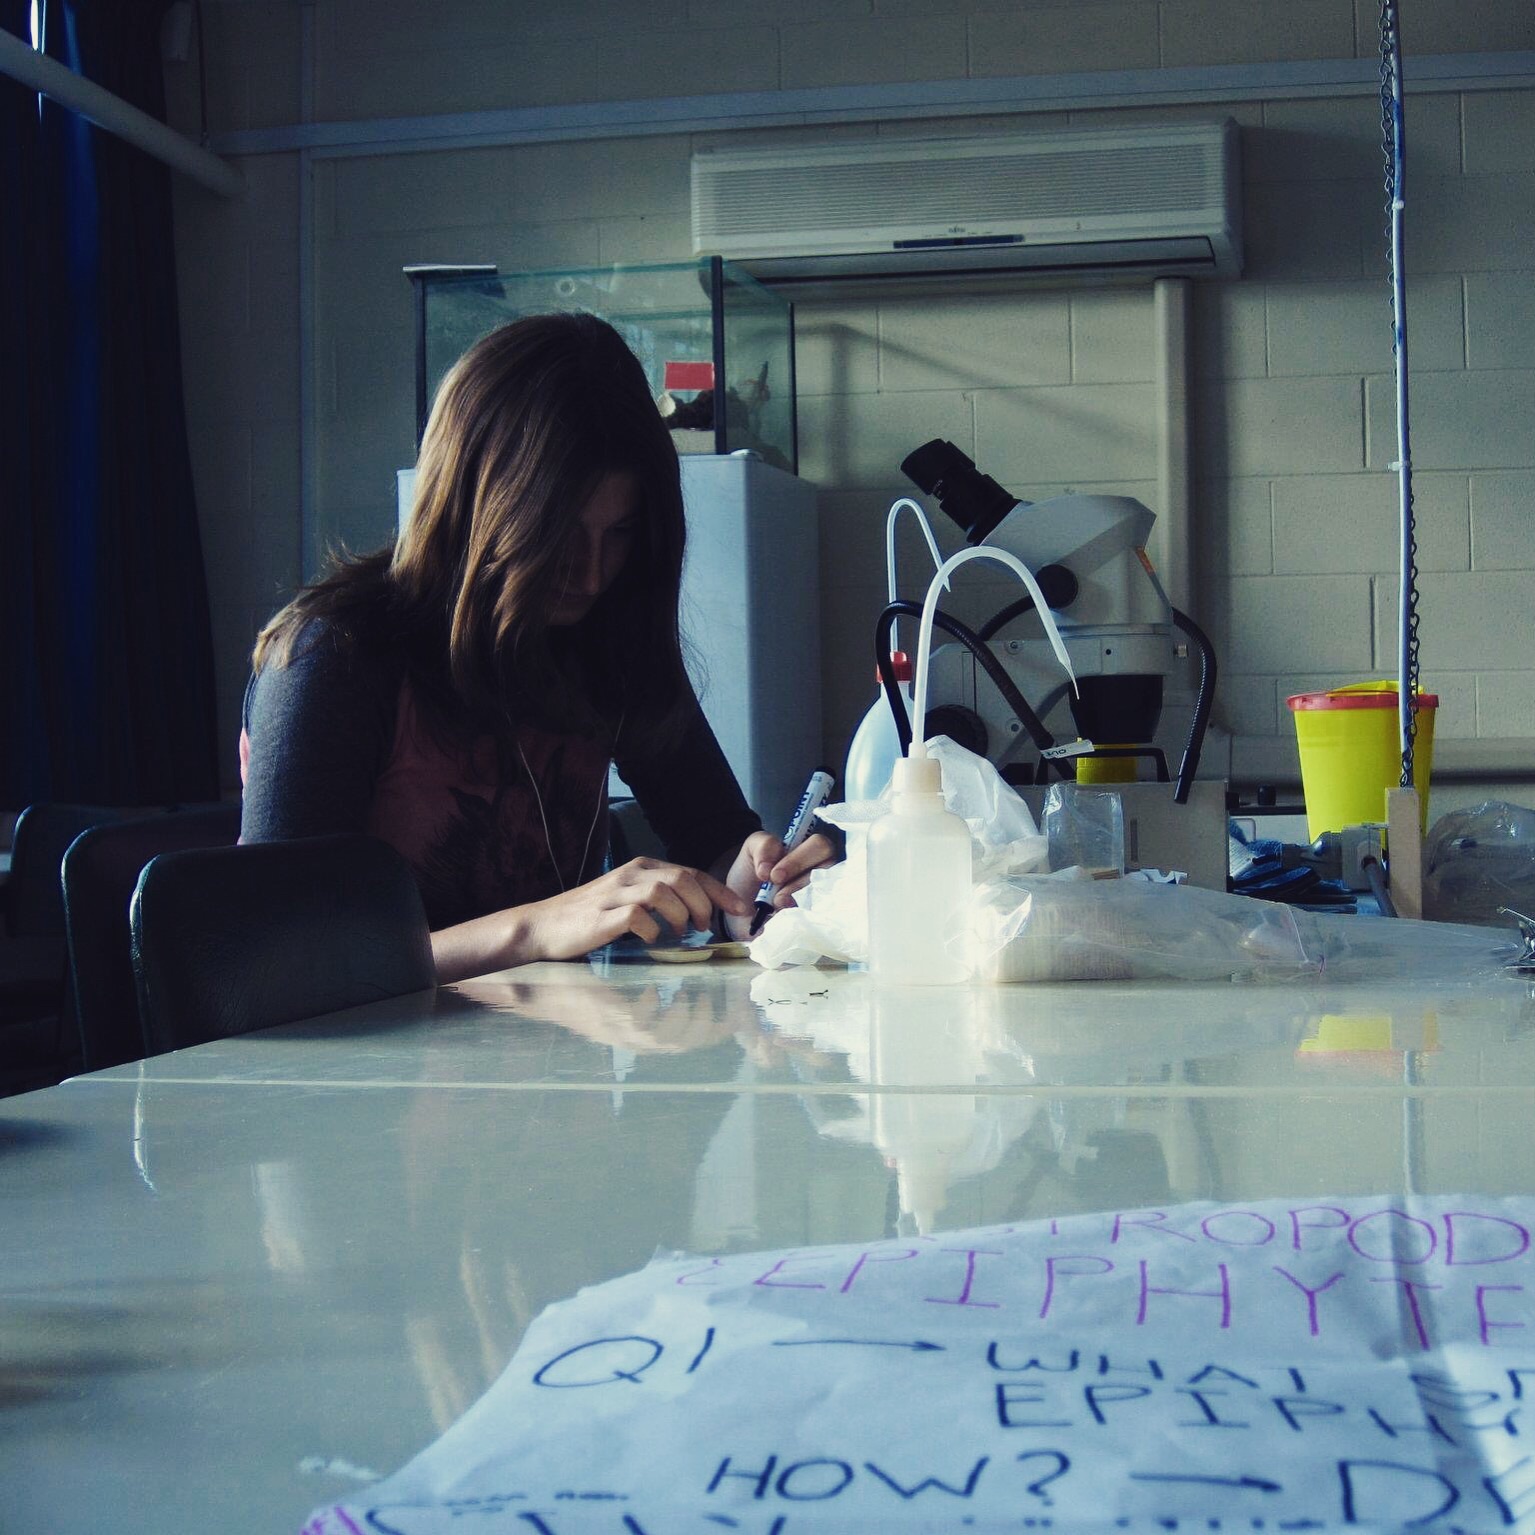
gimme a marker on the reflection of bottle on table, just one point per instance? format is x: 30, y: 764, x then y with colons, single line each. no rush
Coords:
x: 918, y: 1039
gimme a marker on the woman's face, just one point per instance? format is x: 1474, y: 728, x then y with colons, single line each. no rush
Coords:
x: 604, y: 532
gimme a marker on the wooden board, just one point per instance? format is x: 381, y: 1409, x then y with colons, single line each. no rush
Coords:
x: 1404, y: 851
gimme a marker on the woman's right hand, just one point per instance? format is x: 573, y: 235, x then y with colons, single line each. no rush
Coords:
x: 645, y: 897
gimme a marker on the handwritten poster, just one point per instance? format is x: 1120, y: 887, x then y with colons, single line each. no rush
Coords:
x: 1284, y: 1366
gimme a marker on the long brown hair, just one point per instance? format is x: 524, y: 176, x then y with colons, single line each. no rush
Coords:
x: 524, y: 428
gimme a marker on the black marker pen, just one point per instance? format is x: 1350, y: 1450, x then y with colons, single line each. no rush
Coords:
x: 817, y: 792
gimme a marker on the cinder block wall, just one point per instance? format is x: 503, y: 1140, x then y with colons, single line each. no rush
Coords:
x: 1048, y: 389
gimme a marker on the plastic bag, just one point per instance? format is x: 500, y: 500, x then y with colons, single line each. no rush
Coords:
x: 1477, y: 860
x: 831, y: 919
x: 1027, y: 924
x: 1004, y: 837
x: 1071, y: 927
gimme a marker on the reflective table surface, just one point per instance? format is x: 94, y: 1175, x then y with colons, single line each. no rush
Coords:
x: 240, y: 1279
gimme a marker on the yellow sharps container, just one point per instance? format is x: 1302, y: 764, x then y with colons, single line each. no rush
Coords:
x: 1350, y: 753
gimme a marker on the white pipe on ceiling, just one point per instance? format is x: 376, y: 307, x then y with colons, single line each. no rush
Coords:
x: 723, y: 112
x: 1171, y: 308
x: 38, y: 72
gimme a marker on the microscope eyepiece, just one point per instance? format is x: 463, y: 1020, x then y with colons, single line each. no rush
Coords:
x: 974, y: 500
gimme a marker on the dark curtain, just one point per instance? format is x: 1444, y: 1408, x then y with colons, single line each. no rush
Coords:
x: 26, y: 245
x: 108, y: 666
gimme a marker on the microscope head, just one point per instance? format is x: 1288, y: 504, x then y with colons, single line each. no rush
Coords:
x: 1081, y: 534
x: 974, y: 500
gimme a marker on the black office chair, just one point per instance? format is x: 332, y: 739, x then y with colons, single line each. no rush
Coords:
x: 37, y: 1045
x: 226, y: 940
x: 101, y: 870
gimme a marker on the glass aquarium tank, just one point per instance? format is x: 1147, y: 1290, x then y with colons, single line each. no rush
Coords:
x: 717, y: 346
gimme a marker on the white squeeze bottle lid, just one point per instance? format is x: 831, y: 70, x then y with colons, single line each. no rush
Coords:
x: 917, y: 773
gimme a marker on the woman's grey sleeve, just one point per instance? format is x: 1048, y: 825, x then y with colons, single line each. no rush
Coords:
x: 691, y: 797
x: 320, y: 731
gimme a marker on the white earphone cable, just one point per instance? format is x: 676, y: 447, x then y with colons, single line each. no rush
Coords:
x: 538, y: 799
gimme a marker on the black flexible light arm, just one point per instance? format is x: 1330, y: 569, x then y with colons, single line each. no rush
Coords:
x: 1202, y: 704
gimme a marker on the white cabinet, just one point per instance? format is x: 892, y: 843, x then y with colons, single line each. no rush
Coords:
x: 751, y: 618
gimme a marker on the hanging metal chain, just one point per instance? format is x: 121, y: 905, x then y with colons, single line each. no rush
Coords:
x: 1392, y: 146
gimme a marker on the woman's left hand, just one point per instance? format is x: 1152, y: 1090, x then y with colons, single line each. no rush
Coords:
x: 762, y: 858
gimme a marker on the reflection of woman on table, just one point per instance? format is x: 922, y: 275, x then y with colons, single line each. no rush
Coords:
x: 461, y: 694
x: 639, y: 1016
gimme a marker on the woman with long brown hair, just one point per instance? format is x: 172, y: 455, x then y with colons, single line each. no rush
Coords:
x: 462, y: 694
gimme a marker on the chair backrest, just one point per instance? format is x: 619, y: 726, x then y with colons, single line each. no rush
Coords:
x: 38, y: 1043
x: 226, y: 940
x: 34, y: 900
x: 101, y: 870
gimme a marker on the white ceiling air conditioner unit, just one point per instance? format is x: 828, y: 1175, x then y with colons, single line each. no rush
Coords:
x: 1142, y: 201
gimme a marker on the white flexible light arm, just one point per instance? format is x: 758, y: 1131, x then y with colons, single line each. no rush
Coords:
x: 940, y: 583
x: 927, y: 533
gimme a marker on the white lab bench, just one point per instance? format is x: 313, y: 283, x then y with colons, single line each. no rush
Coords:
x: 238, y: 1279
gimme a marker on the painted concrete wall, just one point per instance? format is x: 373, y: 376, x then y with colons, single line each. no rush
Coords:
x: 1047, y: 389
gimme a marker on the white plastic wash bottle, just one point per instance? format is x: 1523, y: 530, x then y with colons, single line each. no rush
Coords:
x: 876, y: 747
x: 919, y: 879
x: 919, y: 872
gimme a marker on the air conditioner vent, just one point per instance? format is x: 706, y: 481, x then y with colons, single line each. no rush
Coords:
x: 1174, y: 186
